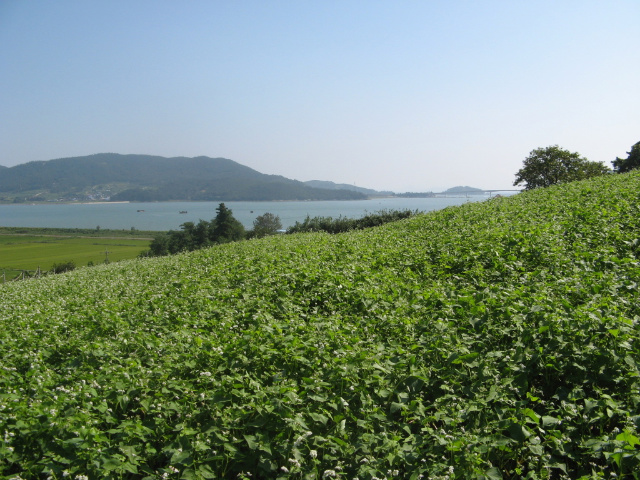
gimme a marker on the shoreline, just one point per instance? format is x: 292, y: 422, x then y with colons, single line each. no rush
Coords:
x: 63, y: 203
x: 96, y: 203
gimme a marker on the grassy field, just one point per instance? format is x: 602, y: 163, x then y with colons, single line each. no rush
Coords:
x: 78, y: 232
x: 495, y: 340
x: 41, y: 248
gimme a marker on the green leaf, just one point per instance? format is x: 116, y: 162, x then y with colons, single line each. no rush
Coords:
x: 251, y: 441
x: 318, y: 398
x: 319, y: 417
x: 549, y: 421
x: 109, y: 464
x: 536, y: 449
x: 181, y: 458
x: 493, y: 474
x: 628, y: 437
x: 206, y: 472
x: 189, y: 474
x: 466, y: 358
x: 559, y: 466
x: 629, y: 360
x: 230, y: 448
x: 589, y: 405
x: 519, y: 432
x: 531, y: 414
x: 129, y: 467
x: 337, y: 440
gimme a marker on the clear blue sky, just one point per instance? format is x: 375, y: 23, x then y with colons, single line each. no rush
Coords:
x: 399, y: 95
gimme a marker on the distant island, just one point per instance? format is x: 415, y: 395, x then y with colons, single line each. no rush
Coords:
x: 459, y: 190
x: 464, y: 190
x: 415, y: 195
x: 145, y: 178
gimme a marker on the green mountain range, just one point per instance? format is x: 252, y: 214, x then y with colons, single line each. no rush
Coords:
x: 115, y: 177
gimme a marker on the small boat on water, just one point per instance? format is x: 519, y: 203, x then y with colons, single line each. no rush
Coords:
x: 140, y: 210
x: 183, y: 211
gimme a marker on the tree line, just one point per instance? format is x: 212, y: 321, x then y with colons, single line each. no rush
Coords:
x: 344, y: 224
x: 553, y: 165
x: 225, y: 228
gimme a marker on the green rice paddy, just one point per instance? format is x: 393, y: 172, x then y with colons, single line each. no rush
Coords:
x: 30, y: 252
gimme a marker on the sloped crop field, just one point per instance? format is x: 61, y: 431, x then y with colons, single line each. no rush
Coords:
x: 493, y: 340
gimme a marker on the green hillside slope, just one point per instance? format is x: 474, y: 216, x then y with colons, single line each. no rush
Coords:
x: 493, y: 340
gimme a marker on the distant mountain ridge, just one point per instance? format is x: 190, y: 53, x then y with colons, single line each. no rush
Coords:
x: 345, y: 186
x: 153, y: 178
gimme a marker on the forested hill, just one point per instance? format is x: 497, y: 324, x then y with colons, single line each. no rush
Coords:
x: 153, y: 178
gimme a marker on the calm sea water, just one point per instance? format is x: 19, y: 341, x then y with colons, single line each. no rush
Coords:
x: 167, y: 216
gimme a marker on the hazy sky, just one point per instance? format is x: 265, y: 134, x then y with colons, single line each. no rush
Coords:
x: 398, y: 95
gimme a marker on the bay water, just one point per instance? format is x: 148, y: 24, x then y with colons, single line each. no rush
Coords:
x: 162, y: 216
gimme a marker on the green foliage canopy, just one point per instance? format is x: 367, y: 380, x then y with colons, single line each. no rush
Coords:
x: 267, y: 224
x: 553, y: 165
x: 632, y: 161
x: 225, y: 227
x: 194, y: 236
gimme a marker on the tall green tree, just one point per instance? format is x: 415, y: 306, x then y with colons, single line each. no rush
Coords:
x: 267, y: 224
x: 552, y: 165
x: 159, y: 246
x: 225, y: 227
x: 202, y: 233
x: 622, y: 165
